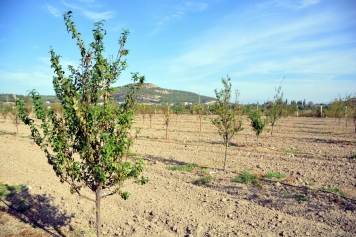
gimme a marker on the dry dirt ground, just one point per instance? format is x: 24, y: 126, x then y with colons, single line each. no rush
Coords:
x: 313, y: 153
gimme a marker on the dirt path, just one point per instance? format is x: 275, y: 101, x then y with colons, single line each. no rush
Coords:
x: 312, y: 153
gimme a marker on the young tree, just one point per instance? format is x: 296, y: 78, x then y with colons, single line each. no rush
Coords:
x: 199, y: 109
x: 167, y: 119
x: 5, y: 109
x: 352, y: 110
x: 178, y: 110
x: 256, y: 122
x: 276, y: 110
x: 226, y: 120
x: 98, y: 132
x: 151, y: 113
x: 337, y: 108
x: 15, y: 118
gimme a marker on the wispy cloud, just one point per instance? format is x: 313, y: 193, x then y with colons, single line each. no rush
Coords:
x: 87, y: 1
x: 193, y: 6
x: 289, y: 4
x: 176, y: 13
x: 307, y: 46
x: 34, y: 78
x: 93, y: 15
x: 98, y: 16
x: 296, y: 4
x: 53, y: 10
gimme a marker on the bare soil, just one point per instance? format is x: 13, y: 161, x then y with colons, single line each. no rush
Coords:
x: 313, y: 153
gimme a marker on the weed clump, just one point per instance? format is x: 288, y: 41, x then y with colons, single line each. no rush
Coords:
x: 246, y: 177
x: 186, y: 168
x: 204, y: 180
x: 334, y: 190
x: 275, y: 175
x: 301, y: 197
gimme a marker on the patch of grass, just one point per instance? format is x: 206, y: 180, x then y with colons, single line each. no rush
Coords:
x: 334, y: 190
x: 286, y: 195
x: 246, y: 177
x: 9, y: 191
x: 132, y: 154
x: 2, y: 132
x: 203, y: 171
x: 28, y: 136
x: 275, y: 175
x: 286, y: 150
x: 301, y: 197
x: 204, y: 180
x: 186, y: 168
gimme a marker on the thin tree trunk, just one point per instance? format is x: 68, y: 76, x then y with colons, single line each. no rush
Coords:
x: 257, y: 140
x: 97, y: 205
x: 272, y: 130
x: 200, y: 123
x: 167, y: 131
x: 226, y: 145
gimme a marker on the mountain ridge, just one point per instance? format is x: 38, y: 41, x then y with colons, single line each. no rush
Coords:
x: 151, y: 93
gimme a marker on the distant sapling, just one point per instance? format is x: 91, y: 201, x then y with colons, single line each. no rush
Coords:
x: 256, y: 122
x: 225, y: 119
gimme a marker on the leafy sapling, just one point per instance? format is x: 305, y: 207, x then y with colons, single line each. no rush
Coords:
x: 257, y: 123
x: 87, y: 143
x: 276, y: 107
x: 226, y: 120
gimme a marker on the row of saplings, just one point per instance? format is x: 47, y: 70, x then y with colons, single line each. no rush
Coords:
x: 89, y: 125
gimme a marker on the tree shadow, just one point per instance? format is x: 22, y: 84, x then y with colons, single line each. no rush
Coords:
x: 301, y: 201
x: 164, y: 160
x: 34, y: 209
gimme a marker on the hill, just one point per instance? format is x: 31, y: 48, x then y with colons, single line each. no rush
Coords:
x: 150, y: 93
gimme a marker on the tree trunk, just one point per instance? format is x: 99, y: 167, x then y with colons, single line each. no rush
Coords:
x: 257, y: 140
x: 150, y: 122
x: 200, y: 123
x: 272, y: 130
x: 167, y: 131
x: 97, y: 205
x: 226, y: 145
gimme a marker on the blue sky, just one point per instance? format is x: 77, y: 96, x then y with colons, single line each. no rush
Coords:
x: 191, y: 45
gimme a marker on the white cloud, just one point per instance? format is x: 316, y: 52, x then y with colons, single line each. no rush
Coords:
x: 34, y: 78
x: 87, y: 1
x: 289, y: 4
x: 53, y: 11
x: 194, y: 6
x: 96, y: 16
x: 176, y: 13
x: 300, y: 4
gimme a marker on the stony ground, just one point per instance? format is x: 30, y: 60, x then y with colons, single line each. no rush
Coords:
x: 316, y: 198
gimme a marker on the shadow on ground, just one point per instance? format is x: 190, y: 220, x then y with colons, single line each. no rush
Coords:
x: 34, y: 209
